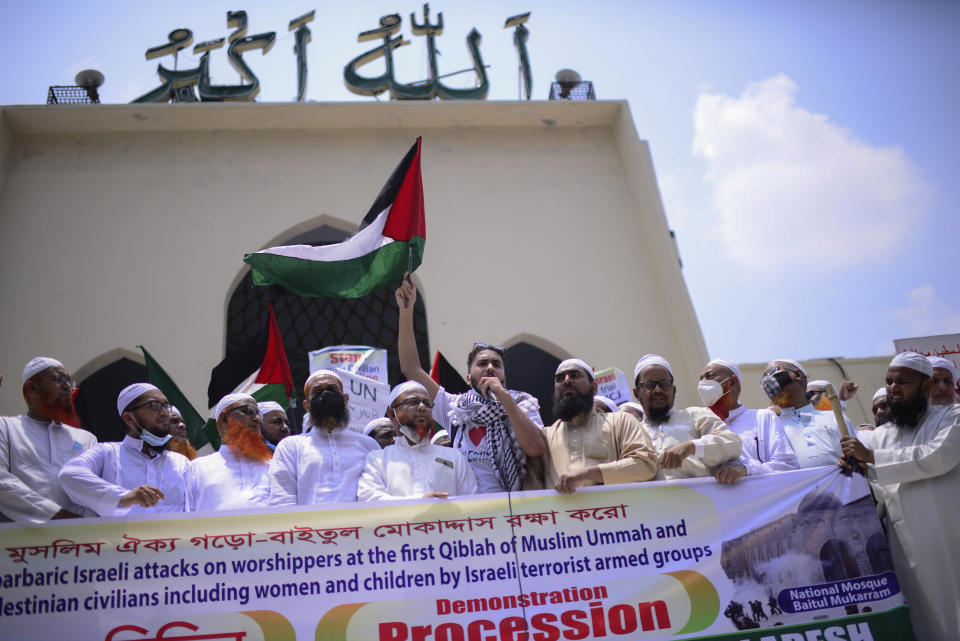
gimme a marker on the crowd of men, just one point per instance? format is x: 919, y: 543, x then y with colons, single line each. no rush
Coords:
x: 493, y: 440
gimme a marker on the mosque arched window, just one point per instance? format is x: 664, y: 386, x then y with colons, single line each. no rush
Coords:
x: 530, y: 364
x: 837, y: 562
x: 100, y: 382
x: 878, y: 551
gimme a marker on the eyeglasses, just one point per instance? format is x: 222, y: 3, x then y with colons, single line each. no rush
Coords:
x: 246, y: 410
x: 155, y: 406
x: 649, y: 386
x: 496, y: 348
x: 416, y: 402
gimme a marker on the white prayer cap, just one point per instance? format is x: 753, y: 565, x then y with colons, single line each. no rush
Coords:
x: 375, y: 423
x: 942, y: 363
x: 606, y: 401
x: 37, y: 365
x: 174, y: 410
x: 439, y: 435
x: 130, y: 393
x: 648, y: 360
x: 818, y: 384
x: 880, y: 393
x: 269, y: 406
x: 231, y: 399
x: 574, y: 362
x: 794, y: 364
x: 634, y: 405
x: 406, y: 386
x: 916, y: 362
x: 722, y: 362
x: 317, y: 374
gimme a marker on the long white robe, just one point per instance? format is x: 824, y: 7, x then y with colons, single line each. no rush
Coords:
x: 916, y: 479
x: 766, y: 448
x: 404, y: 471
x: 100, y: 477
x: 224, y: 481
x: 318, y: 467
x: 31, y: 455
x: 813, y: 434
x: 713, y: 442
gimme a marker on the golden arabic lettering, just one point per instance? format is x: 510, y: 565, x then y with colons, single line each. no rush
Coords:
x: 427, y: 89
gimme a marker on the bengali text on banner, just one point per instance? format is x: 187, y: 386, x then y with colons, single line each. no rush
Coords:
x: 785, y: 557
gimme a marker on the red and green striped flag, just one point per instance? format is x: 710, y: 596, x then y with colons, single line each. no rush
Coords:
x: 259, y: 368
x: 390, y: 240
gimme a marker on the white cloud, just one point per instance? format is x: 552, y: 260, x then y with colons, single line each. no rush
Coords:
x: 783, y: 177
x: 926, y: 314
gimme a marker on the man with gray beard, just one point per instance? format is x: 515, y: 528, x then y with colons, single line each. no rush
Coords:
x: 587, y: 448
x: 914, y: 469
x: 323, y: 464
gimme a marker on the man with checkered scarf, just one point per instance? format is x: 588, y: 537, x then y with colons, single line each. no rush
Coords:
x: 496, y: 428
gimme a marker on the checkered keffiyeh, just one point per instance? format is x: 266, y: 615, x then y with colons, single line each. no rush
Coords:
x: 510, y: 461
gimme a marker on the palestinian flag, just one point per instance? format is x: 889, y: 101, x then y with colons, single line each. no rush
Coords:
x: 446, y: 376
x: 192, y: 418
x: 259, y: 368
x: 390, y: 241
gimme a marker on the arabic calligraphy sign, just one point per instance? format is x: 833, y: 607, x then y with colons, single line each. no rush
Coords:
x: 639, y: 561
x: 191, y: 85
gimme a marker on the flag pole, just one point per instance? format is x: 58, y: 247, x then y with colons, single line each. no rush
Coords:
x: 406, y: 301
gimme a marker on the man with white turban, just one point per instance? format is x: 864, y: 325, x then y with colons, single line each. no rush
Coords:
x: 589, y: 448
x: 323, y: 464
x: 236, y: 476
x: 880, y: 408
x: 138, y: 475
x: 813, y: 433
x: 691, y: 442
x: 913, y: 465
x: 944, y: 390
x: 274, y: 424
x: 34, y: 446
x: 414, y: 467
x: 383, y: 430
x: 496, y: 428
x: 766, y: 448
x: 179, y: 440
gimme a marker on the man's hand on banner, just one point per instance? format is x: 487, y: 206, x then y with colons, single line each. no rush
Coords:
x: 144, y: 496
x: 436, y: 495
x: 569, y: 482
x: 729, y: 474
x: 672, y: 457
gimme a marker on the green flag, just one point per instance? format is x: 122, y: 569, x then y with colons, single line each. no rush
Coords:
x: 195, y: 423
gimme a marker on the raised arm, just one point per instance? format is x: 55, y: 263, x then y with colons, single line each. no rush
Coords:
x: 407, y: 342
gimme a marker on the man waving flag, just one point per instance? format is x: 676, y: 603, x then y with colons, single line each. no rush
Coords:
x: 390, y: 241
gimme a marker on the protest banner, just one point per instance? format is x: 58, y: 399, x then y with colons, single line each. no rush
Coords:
x: 944, y: 345
x: 613, y: 384
x: 357, y: 359
x: 786, y: 557
x: 366, y: 399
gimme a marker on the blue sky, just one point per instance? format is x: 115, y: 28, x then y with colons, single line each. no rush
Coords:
x: 805, y: 150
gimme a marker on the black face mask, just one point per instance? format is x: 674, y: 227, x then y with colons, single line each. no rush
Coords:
x: 327, y: 403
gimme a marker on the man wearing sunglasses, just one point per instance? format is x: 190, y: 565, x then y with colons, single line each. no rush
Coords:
x: 691, y: 442
x: 236, y: 476
x: 497, y: 429
x: 138, y: 475
x: 413, y: 467
x: 34, y: 446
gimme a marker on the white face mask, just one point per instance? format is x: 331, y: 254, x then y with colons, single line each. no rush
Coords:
x: 150, y: 438
x: 413, y: 435
x: 710, y: 391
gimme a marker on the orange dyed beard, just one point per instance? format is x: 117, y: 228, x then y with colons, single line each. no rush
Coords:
x: 246, y: 442
x: 62, y: 412
x: 182, y: 447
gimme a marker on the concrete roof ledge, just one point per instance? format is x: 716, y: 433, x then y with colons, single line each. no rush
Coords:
x: 247, y: 116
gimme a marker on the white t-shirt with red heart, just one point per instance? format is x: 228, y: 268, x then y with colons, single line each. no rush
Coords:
x: 473, y: 443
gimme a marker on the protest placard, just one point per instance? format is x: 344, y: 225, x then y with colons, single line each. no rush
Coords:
x: 357, y: 359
